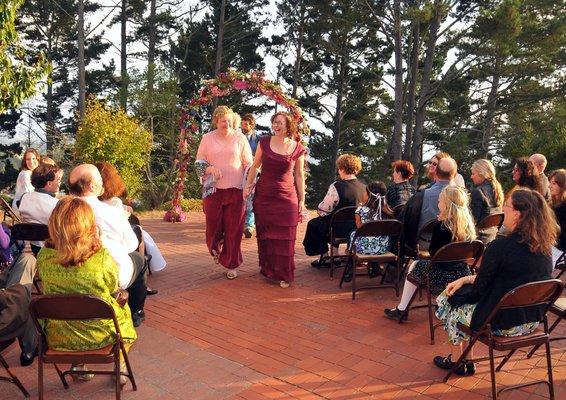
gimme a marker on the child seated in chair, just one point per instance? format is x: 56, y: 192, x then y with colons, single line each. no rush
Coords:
x: 374, y: 208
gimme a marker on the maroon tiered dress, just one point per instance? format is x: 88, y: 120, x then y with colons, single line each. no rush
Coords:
x: 276, y: 208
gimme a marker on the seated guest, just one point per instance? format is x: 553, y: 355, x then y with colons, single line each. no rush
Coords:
x: 30, y: 162
x: 347, y: 191
x: 558, y: 203
x: 375, y: 208
x: 526, y: 176
x: 114, y: 190
x: 37, y: 206
x: 116, y: 235
x: 508, y: 262
x: 457, y: 179
x: 487, y: 196
x: 539, y: 161
x: 75, y: 261
x: 401, y: 190
x: 423, y: 206
x: 15, y: 294
x: 456, y: 225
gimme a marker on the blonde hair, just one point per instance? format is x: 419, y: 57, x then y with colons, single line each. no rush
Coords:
x: 486, y: 170
x: 222, y: 111
x: 73, y: 231
x: 456, y: 215
x: 236, y: 121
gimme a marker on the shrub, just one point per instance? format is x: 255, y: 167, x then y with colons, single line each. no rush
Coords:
x: 111, y: 135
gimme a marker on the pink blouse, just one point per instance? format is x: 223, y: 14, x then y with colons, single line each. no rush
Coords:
x: 231, y: 155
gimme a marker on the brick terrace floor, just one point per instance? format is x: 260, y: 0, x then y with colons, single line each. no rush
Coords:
x: 209, y: 338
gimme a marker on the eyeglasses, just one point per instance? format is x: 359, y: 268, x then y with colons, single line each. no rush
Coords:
x: 432, y: 163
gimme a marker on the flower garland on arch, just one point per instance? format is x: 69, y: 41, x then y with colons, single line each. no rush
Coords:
x: 224, y: 84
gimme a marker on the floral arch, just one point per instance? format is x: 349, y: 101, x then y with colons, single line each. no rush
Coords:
x: 224, y: 84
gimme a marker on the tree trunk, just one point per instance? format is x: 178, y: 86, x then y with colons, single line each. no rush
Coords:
x: 397, y: 137
x: 413, y: 62
x: 81, y: 60
x: 424, y: 96
x: 123, y: 57
x: 297, y: 66
x: 338, y: 114
x: 490, y: 112
x: 151, y: 50
x: 219, y: 45
x: 49, y: 126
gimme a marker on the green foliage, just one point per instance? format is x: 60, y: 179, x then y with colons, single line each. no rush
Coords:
x: 186, y: 205
x: 20, y: 72
x: 111, y: 135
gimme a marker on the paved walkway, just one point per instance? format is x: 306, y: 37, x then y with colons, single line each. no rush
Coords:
x: 209, y: 338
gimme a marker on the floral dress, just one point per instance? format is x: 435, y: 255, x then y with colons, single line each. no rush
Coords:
x: 368, y: 244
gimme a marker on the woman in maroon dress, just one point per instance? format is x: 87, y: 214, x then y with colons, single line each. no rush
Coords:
x: 279, y: 197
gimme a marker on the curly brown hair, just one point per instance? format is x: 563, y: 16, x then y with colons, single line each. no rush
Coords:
x: 73, y: 231
x: 292, y: 129
x: 349, y: 163
x: 537, y: 226
x: 30, y: 150
x: 112, y: 183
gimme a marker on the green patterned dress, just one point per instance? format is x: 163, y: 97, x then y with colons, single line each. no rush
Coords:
x: 97, y: 276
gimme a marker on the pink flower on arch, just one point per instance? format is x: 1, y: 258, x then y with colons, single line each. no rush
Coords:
x: 241, y: 85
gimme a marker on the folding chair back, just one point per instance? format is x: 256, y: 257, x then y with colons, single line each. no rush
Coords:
x: 30, y: 231
x: 542, y: 294
x: 494, y: 220
x: 11, y: 377
x: 9, y: 212
x: 342, y: 216
x: 387, y: 227
x: 468, y: 252
x: 75, y: 307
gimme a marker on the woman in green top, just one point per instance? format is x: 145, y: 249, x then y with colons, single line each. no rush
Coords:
x: 74, y: 262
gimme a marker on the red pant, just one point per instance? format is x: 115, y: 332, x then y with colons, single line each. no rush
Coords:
x: 224, y: 211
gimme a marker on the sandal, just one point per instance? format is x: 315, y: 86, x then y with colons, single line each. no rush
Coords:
x: 215, y: 255
x: 231, y: 274
x: 78, y: 377
x: 284, y: 284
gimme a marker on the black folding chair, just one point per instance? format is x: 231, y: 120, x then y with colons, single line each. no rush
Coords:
x: 387, y: 227
x: 29, y: 231
x: 340, y: 218
x: 542, y: 294
x: 9, y: 212
x: 11, y: 377
x: 455, y: 252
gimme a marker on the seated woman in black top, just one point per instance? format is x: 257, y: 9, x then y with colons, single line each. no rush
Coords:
x: 344, y: 192
x: 401, y: 190
x: 487, y: 196
x: 508, y: 262
x: 557, y: 189
x: 455, y: 224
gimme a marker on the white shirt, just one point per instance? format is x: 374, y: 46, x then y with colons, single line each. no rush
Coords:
x: 37, y: 207
x: 117, y: 236
x: 23, y: 185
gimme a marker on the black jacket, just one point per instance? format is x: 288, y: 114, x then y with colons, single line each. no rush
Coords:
x: 506, y: 265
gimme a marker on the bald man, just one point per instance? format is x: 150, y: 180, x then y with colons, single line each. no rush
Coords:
x: 539, y: 160
x: 116, y: 235
x: 445, y: 172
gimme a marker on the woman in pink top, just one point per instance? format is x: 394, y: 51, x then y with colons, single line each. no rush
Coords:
x: 222, y: 158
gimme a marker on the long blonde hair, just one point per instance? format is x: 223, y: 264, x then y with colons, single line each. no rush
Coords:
x: 73, y: 231
x: 456, y: 215
x: 486, y: 170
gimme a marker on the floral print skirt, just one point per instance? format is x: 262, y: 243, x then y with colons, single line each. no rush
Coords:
x: 451, y: 316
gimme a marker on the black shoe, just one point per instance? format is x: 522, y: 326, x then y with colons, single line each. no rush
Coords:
x: 470, y: 367
x: 374, y: 270
x: 321, y: 263
x: 26, y: 359
x: 151, y: 292
x: 396, y: 314
x: 138, y: 317
x: 447, y: 363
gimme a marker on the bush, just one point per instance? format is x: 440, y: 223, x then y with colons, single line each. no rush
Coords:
x: 186, y: 205
x: 111, y: 135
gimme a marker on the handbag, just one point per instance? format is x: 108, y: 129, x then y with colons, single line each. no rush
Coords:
x: 461, y: 296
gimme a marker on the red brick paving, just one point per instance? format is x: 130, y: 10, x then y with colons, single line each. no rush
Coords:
x: 209, y: 338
